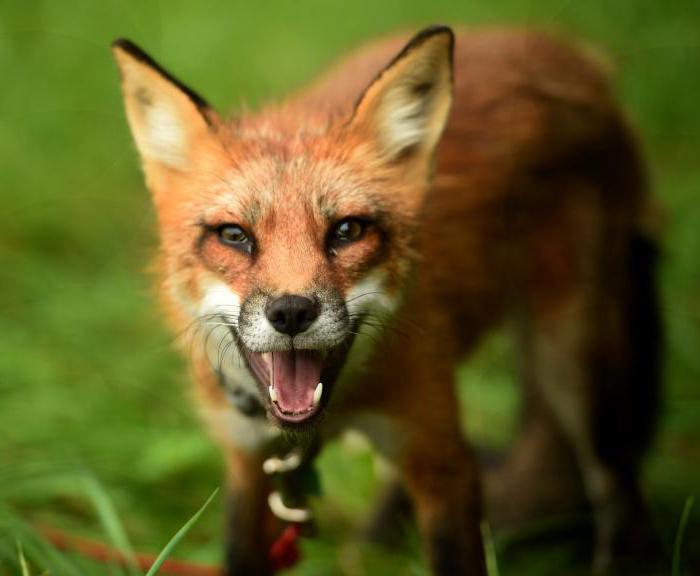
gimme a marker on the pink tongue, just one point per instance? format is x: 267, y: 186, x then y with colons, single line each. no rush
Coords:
x: 295, y: 376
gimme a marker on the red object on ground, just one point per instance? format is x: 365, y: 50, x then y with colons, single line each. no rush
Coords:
x: 101, y: 552
x: 284, y: 552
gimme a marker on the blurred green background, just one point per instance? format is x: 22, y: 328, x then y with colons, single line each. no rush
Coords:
x: 94, y: 416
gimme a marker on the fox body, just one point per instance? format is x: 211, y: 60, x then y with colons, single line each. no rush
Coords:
x: 342, y: 251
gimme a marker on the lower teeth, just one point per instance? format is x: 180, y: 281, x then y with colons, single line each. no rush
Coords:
x: 318, y: 392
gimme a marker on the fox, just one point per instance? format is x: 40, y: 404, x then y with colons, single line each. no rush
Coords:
x: 342, y: 251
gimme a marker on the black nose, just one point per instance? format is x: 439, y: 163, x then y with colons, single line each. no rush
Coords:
x: 291, y: 314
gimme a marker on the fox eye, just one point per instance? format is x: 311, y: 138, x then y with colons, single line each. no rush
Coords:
x: 346, y: 231
x: 235, y: 236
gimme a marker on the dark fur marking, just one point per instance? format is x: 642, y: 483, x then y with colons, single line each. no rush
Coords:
x: 245, y: 402
x: 405, y: 154
x: 422, y: 89
x: 143, y: 96
x: 628, y: 406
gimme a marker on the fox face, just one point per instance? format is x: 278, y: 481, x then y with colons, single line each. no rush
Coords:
x: 285, y: 233
x: 286, y: 271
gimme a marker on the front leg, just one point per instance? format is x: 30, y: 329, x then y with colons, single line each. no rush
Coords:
x: 412, y: 417
x: 443, y: 482
x: 250, y: 525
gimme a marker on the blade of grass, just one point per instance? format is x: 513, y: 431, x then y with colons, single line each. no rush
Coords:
x: 22, y: 560
x: 678, y: 542
x: 179, y: 536
x: 40, y: 552
x: 489, y: 549
x: 109, y: 519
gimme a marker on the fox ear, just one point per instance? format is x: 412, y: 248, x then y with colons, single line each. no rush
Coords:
x: 406, y: 107
x: 165, y: 116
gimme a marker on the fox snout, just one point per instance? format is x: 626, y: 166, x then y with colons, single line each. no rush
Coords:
x: 279, y: 322
x: 294, y: 345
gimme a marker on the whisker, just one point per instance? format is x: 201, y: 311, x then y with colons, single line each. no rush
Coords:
x: 363, y: 295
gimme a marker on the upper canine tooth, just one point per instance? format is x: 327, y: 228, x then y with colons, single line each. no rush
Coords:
x: 267, y: 357
x: 273, y: 393
x: 318, y: 393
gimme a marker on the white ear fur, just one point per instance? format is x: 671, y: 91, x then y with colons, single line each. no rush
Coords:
x: 162, y: 136
x: 407, y: 106
x: 165, y: 117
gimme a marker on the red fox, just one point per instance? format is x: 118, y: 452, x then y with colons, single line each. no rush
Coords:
x: 342, y: 252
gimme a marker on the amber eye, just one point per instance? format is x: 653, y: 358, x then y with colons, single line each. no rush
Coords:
x: 348, y: 230
x: 235, y: 236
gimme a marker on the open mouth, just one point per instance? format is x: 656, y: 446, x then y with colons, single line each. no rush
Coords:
x: 297, y: 382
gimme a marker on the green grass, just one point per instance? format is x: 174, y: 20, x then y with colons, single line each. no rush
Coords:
x: 90, y: 387
x: 179, y: 535
x: 678, y: 542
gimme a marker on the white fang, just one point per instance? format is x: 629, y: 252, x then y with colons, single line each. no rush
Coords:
x: 318, y: 393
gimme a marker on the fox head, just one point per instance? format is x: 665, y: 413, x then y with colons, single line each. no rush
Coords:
x: 288, y: 230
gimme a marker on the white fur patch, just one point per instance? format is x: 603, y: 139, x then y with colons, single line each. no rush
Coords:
x: 221, y: 300
x: 218, y: 312
x: 403, y: 120
x: 163, y: 137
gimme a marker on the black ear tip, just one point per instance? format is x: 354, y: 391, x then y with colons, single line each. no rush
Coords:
x: 432, y: 31
x: 435, y: 29
x: 130, y: 48
x: 424, y: 36
x: 121, y: 43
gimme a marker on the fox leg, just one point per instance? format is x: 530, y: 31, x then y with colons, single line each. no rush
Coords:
x: 440, y: 474
x: 387, y: 526
x: 446, y: 497
x: 419, y: 432
x: 560, y: 366
x: 584, y: 374
x: 250, y: 525
x: 539, y: 476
